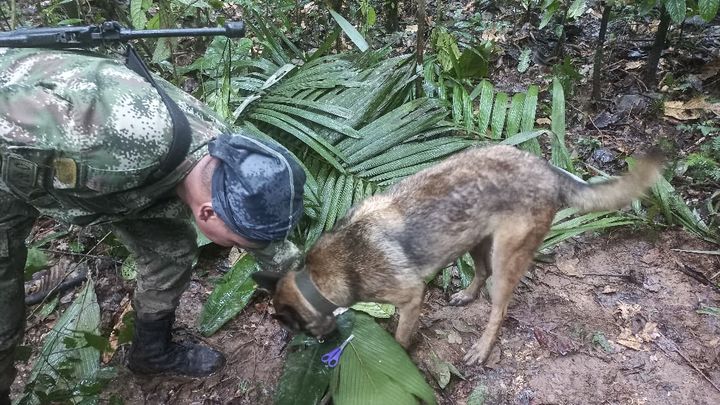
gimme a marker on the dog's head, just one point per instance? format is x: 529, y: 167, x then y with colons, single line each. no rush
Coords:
x: 292, y: 310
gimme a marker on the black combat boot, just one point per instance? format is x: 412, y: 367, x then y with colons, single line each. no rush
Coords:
x: 153, y: 351
x: 5, y: 398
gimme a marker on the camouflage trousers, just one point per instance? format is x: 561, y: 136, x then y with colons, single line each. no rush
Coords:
x: 164, y: 249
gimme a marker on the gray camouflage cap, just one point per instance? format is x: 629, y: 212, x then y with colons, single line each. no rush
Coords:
x: 257, y: 189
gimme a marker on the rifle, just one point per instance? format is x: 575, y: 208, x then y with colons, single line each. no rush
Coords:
x: 108, y: 31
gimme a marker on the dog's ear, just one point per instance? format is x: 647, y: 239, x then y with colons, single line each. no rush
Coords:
x: 267, y: 280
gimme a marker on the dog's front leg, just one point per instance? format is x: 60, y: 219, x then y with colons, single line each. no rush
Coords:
x: 409, y: 312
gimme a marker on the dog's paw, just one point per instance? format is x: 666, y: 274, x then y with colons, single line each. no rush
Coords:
x: 477, y: 354
x: 461, y: 298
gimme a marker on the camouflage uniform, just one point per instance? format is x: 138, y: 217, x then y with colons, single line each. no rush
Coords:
x: 79, y: 136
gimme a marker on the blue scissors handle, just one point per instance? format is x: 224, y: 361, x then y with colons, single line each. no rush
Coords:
x: 332, y: 358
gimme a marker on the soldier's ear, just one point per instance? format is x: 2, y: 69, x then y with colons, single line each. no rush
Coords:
x: 267, y: 280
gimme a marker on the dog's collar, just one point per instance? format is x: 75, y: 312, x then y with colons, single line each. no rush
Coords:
x: 309, y: 290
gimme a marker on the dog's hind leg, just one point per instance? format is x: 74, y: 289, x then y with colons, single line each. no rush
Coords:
x: 481, y: 255
x: 409, y: 311
x: 513, y: 250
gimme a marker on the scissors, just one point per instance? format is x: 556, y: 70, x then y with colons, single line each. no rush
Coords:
x: 332, y: 358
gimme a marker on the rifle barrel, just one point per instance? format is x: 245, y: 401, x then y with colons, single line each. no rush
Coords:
x: 93, y: 35
x: 230, y: 30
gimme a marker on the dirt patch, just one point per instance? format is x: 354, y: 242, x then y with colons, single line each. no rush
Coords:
x: 551, y: 346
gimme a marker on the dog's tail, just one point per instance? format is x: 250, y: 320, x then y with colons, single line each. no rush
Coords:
x: 614, y: 193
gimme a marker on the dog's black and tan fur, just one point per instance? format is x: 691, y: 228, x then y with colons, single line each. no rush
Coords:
x: 496, y: 203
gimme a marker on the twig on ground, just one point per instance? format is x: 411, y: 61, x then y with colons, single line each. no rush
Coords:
x: 697, y: 276
x: 606, y: 275
x: 63, y: 252
x: 677, y: 350
x: 700, y: 252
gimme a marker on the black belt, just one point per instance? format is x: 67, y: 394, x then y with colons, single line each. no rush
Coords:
x: 180, y: 144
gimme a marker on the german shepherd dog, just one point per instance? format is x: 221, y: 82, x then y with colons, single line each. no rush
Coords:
x: 497, y: 203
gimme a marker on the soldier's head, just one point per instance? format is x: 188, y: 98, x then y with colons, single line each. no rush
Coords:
x: 255, y: 191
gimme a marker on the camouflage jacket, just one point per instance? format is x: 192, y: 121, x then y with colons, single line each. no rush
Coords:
x: 96, y: 131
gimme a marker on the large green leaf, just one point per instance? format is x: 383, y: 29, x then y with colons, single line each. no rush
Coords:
x: 375, y: 369
x: 271, y: 46
x: 302, y: 132
x: 565, y: 227
x: 499, y: 111
x: 676, y: 9
x: 528, y: 118
x: 549, y: 8
x: 473, y: 62
x: 708, y: 9
x: 468, y: 116
x: 485, y: 108
x: 229, y: 297
x: 137, y: 14
x: 576, y: 9
x: 515, y: 114
x: 66, y: 359
x: 305, y: 378
x: 466, y: 269
x: 36, y: 260
x: 374, y: 309
x: 410, y: 154
x: 457, y: 104
x: 676, y: 211
x: 350, y: 31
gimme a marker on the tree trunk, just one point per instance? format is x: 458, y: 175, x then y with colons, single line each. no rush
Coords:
x: 596, y: 93
x: 420, y: 45
x: 657, y: 48
x: 337, y: 6
x: 392, y: 22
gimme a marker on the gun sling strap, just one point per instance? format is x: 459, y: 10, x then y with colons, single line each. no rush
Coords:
x: 180, y: 144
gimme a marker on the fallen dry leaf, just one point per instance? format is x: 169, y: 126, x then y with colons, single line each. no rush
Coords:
x: 609, y: 290
x: 651, y: 257
x: 636, y: 331
x: 454, y: 337
x: 631, y: 343
x: 628, y: 311
x: 462, y: 326
x: 691, y: 109
x: 635, y: 341
x: 677, y: 110
x: 543, y: 121
x: 649, y: 332
x: 710, y: 70
x: 555, y: 342
x: 126, y: 306
x: 635, y: 64
x: 493, y: 35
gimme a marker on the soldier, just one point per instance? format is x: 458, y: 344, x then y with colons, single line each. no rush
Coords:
x: 87, y: 140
